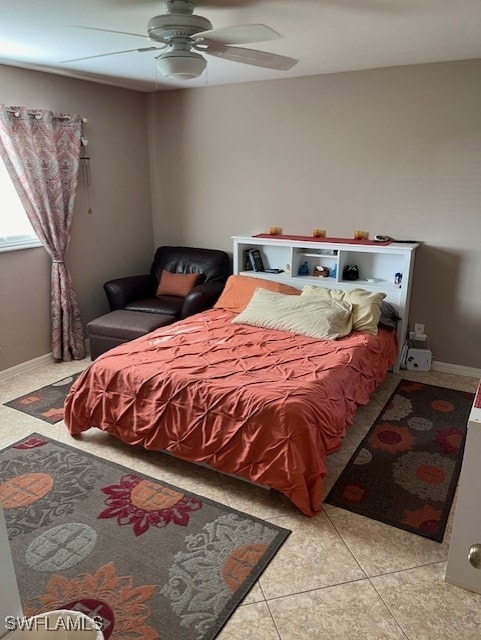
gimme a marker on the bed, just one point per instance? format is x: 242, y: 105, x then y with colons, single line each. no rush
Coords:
x: 261, y: 404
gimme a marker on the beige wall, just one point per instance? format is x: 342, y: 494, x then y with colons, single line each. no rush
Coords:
x: 116, y: 240
x: 393, y: 151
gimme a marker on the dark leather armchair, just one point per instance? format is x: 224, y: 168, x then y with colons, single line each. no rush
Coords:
x: 138, y: 293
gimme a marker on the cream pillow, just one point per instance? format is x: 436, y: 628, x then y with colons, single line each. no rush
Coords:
x: 308, y: 316
x: 366, y: 305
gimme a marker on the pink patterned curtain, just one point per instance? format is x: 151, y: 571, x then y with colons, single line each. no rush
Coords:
x: 41, y: 151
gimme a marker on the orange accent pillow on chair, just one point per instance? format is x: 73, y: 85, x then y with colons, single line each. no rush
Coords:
x: 176, y: 284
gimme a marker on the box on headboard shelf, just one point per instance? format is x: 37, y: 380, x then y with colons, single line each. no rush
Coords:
x: 321, y: 272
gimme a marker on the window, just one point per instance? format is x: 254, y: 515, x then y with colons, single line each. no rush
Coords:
x: 16, y: 232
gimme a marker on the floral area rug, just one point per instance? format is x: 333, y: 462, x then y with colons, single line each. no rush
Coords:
x: 404, y: 473
x: 146, y: 559
x: 45, y: 403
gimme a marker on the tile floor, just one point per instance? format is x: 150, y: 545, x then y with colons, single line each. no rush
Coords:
x: 339, y: 575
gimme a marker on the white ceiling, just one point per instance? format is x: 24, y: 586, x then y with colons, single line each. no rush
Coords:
x: 325, y: 35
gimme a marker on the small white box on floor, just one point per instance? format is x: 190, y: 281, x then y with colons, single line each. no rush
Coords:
x: 418, y: 357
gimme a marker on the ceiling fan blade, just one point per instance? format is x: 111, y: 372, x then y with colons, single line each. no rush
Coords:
x: 240, y: 34
x: 253, y: 57
x: 114, y: 53
x: 124, y: 33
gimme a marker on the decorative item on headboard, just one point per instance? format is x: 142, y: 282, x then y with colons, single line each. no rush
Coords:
x: 255, y: 258
x: 350, y: 273
x: 303, y: 269
x: 247, y: 261
x: 361, y: 235
x: 320, y: 271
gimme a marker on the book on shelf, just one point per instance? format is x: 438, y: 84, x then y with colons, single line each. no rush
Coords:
x: 255, y: 259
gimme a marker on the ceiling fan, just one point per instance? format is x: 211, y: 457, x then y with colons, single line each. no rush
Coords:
x: 183, y: 38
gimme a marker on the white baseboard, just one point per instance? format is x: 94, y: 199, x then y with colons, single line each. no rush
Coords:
x: 456, y: 369
x: 32, y: 364
x: 26, y: 366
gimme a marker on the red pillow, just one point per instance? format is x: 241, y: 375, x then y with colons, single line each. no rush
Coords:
x: 176, y: 284
x: 239, y: 290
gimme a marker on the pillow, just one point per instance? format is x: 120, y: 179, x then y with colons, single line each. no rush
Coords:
x: 366, y: 305
x: 176, y: 284
x: 239, y: 290
x: 305, y: 315
x: 389, y: 317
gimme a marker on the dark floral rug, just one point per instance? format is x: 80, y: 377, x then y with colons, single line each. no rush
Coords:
x: 404, y: 473
x: 145, y: 559
x: 45, y: 403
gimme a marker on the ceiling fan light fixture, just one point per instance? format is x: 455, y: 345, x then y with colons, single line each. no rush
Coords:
x: 181, y: 65
x: 179, y: 34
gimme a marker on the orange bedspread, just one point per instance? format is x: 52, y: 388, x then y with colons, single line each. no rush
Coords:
x: 261, y: 404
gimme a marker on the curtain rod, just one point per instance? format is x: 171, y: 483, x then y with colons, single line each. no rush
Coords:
x: 38, y: 116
